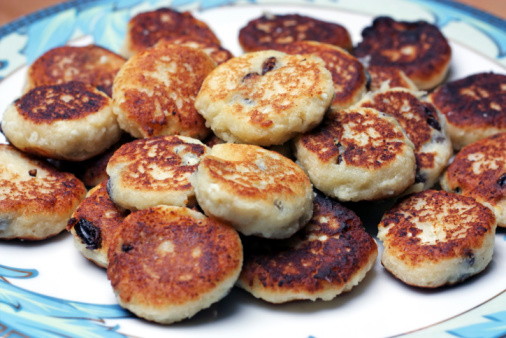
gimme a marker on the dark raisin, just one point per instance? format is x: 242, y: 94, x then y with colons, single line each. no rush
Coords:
x: 470, y: 257
x: 368, y: 80
x: 431, y: 119
x: 278, y: 204
x: 249, y: 76
x: 457, y: 190
x: 502, y: 181
x: 126, y: 247
x: 419, y: 178
x: 89, y: 234
x: 268, y: 65
x: 32, y: 172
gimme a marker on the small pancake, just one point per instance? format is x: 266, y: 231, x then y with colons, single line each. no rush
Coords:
x: 213, y: 49
x: 474, y: 106
x: 94, y: 224
x: 92, y: 64
x: 71, y: 121
x: 168, y: 263
x: 330, y: 255
x: 436, y: 238
x: 479, y: 171
x: 425, y: 127
x: 347, y: 72
x: 269, y: 29
x: 36, y: 200
x: 258, y: 191
x: 417, y: 48
x: 149, y: 172
x: 146, y: 29
x: 357, y: 154
x: 388, y: 76
x: 154, y: 92
x: 265, y: 97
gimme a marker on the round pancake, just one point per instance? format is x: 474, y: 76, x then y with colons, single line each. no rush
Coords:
x: 146, y: 29
x: 357, y: 154
x: 94, y: 224
x: 479, y: 171
x: 425, y: 127
x: 149, y: 172
x: 348, y: 74
x: 168, y: 263
x: 264, y: 32
x: 154, y: 92
x: 92, y: 64
x: 330, y: 255
x: 417, y: 48
x: 258, y: 191
x: 390, y: 77
x: 213, y: 49
x: 435, y: 238
x: 474, y: 106
x: 70, y: 121
x: 36, y: 200
x: 265, y: 97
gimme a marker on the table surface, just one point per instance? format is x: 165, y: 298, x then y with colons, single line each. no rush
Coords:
x: 10, y: 10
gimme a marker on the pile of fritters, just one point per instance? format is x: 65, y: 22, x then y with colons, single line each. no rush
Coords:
x: 232, y: 170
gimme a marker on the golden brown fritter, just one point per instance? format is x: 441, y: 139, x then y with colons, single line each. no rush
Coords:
x: 258, y: 191
x: 434, y: 238
x: 357, y: 154
x: 92, y: 64
x: 417, y: 48
x: 479, y: 171
x: 475, y: 107
x: 268, y: 30
x: 155, y: 91
x: 148, y: 172
x: 147, y: 28
x: 36, y: 200
x: 424, y: 127
x: 330, y: 255
x: 168, y: 263
x: 348, y: 74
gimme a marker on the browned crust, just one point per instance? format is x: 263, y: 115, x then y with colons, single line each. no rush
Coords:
x: 306, y: 263
x: 464, y: 230
x: 101, y: 212
x: 176, y: 277
x: 285, y: 177
x: 328, y: 143
x: 417, y: 48
x: 490, y: 184
x: 66, y: 101
x: 163, y: 155
x: 394, y: 76
x: 58, y: 193
x: 146, y: 29
x: 262, y: 33
x: 154, y: 112
x: 417, y: 118
x: 476, y: 101
x: 214, y: 50
x: 69, y: 63
x: 348, y: 74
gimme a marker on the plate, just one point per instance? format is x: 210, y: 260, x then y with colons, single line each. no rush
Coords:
x: 47, y: 289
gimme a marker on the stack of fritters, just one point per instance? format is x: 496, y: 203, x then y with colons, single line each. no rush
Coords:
x: 238, y: 144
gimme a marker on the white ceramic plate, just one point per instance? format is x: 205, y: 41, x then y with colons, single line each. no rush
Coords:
x: 47, y: 289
